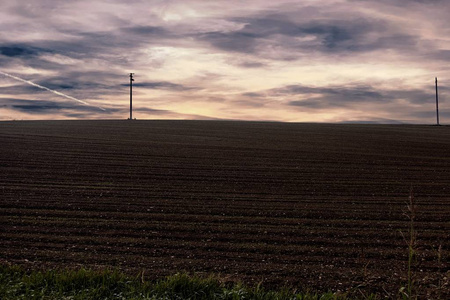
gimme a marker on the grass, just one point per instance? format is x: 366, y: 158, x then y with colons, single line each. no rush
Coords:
x: 17, y: 283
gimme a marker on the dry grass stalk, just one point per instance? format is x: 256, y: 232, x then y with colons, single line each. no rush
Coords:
x: 411, y: 241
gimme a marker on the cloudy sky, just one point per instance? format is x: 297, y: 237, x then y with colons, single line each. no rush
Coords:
x: 282, y: 60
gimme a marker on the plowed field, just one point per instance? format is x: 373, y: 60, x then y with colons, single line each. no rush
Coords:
x: 307, y: 205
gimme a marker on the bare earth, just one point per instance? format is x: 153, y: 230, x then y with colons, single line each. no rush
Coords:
x: 305, y: 205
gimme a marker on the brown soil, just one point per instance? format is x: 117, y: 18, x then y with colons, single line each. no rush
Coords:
x: 305, y: 205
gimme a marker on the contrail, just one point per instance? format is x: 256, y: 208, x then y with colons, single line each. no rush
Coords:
x: 50, y: 90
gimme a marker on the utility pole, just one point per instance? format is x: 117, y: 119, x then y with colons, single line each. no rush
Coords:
x: 437, y: 103
x: 131, y: 95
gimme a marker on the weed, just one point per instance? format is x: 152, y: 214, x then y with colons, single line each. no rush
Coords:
x: 439, y: 260
x: 411, y: 241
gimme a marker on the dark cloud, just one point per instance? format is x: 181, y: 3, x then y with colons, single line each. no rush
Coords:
x: 21, y: 88
x: 73, y: 83
x: 332, y: 36
x: 161, y: 85
x: 251, y: 65
x: 373, y: 121
x: 118, y: 44
x: 13, y: 51
x: 430, y: 115
x: 237, y: 41
x: 413, y: 96
x: 87, y: 45
x: 36, y: 54
x: 23, y: 50
x: 152, y: 111
x: 171, y: 114
x: 349, y: 96
x: 72, y: 110
x: 402, y: 3
x: 122, y: 39
x: 77, y: 84
x: 80, y: 51
x: 253, y: 95
x: 328, y: 35
x: 259, y: 35
x: 115, y: 45
x: 148, y: 31
x: 328, y: 97
x: 45, y: 106
x: 78, y: 115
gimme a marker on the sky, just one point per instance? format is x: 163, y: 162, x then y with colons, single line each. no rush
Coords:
x: 371, y: 61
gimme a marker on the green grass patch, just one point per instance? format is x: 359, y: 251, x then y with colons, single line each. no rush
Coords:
x: 17, y: 283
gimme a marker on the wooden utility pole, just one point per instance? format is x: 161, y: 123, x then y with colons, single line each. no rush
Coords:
x: 437, y: 102
x: 131, y: 95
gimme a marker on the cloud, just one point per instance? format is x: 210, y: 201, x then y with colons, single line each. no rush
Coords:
x: 329, y: 97
x: 161, y: 85
x: 46, y: 106
x: 147, y: 31
x: 23, y: 54
x: 373, y: 121
x: 68, y: 109
x: 262, y: 33
x: 232, y: 61
x: 92, y: 85
x: 349, y: 96
x: 252, y: 64
x: 405, y: 2
x: 172, y: 114
x: 152, y: 110
x: 253, y: 94
x: 13, y: 51
x: 235, y: 41
x: 430, y: 115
